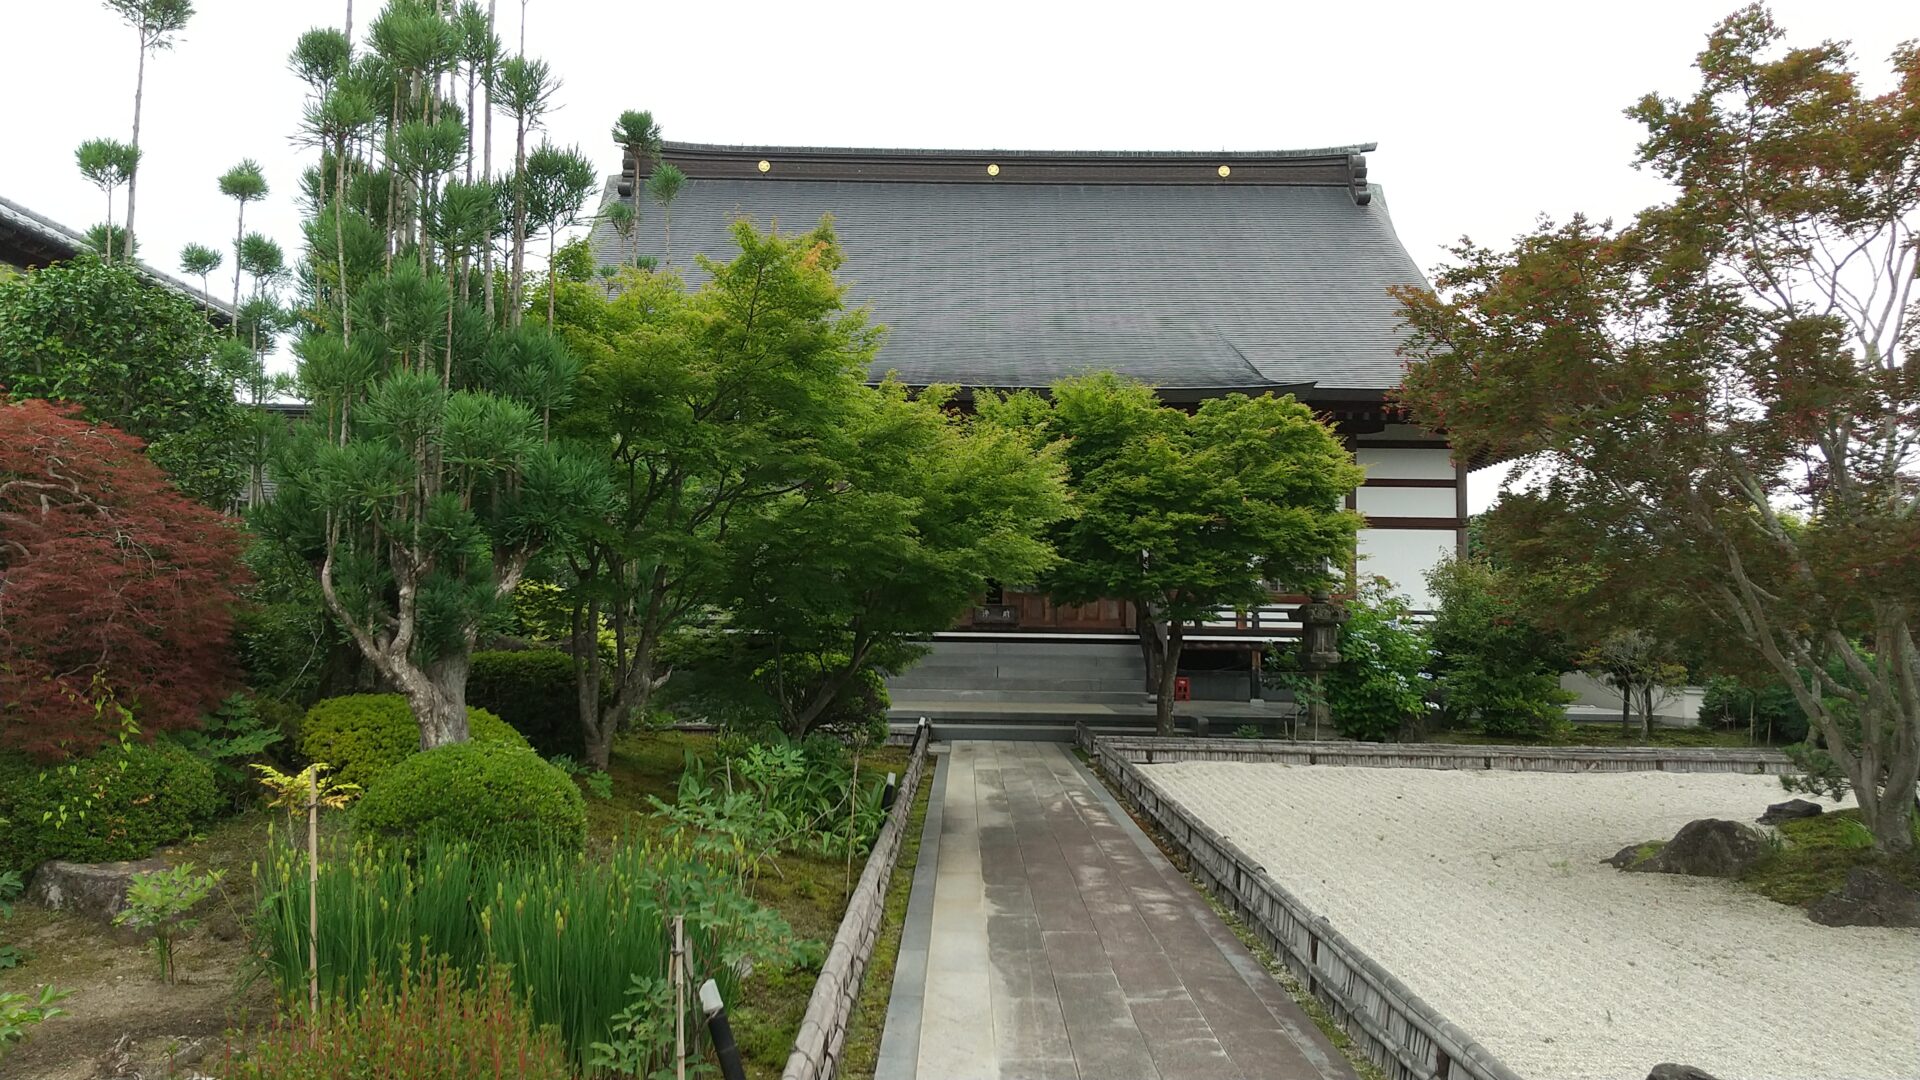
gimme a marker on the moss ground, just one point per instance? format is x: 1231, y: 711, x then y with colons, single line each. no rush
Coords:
x: 1815, y: 855
x: 1603, y: 735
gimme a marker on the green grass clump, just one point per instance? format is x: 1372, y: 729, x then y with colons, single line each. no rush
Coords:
x: 1815, y: 855
x: 574, y: 930
x: 436, y: 1024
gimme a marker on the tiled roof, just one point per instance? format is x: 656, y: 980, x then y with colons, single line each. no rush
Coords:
x: 38, y: 240
x: 1151, y: 265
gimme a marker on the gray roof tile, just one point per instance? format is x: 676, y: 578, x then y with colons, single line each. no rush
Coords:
x: 1007, y: 285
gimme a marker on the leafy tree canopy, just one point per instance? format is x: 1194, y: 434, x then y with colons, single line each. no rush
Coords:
x: 113, y: 586
x: 922, y: 511
x: 1724, y: 388
x: 711, y: 407
x: 1187, y: 514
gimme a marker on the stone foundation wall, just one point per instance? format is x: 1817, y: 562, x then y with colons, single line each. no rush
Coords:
x: 823, y: 1030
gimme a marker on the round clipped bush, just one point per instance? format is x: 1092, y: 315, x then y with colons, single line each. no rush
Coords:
x: 121, y: 803
x: 364, y: 735
x: 491, y: 795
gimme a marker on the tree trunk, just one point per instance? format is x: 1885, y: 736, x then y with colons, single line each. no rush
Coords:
x: 1169, y: 671
x: 596, y: 730
x: 340, y: 232
x: 1646, y: 713
x: 519, y: 220
x: 239, y: 234
x: 133, y: 177
x: 1626, y: 711
x: 552, y: 235
x: 439, y: 700
x: 486, y: 169
x: 1149, y: 645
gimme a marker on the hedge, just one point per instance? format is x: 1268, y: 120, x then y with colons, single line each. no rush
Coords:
x: 122, y: 803
x: 534, y: 692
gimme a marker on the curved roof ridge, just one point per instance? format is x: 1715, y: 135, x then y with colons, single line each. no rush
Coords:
x: 1102, y: 155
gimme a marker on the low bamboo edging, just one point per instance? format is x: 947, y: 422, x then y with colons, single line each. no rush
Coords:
x: 823, y: 1030
x: 1392, y: 1025
x: 1153, y: 750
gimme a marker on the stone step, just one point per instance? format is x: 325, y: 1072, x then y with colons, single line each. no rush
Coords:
x: 1059, y: 682
x: 1085, y: 650
x: 1056, y: 694
x: 1030, y: 665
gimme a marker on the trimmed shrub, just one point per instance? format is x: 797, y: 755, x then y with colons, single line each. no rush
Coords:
x: 534, y: 692
x: 364, y: 735
x: 494, y: 796
x: 119, y: 804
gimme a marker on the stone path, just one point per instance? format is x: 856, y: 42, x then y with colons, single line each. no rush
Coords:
x: 1047, y: 939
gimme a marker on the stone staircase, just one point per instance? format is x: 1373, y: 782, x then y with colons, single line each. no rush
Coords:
x: 1033, y: 690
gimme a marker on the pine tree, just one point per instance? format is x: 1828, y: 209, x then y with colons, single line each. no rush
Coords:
x: 199, y: 260
x: 156, y: 22
x: 244, y: 183
x: 108, y: 164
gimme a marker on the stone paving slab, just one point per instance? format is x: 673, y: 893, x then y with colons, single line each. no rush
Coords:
x: 1060, y: 945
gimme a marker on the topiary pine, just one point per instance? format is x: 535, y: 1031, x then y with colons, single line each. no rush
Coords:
x: 489, y: 794
x: 364, y: 735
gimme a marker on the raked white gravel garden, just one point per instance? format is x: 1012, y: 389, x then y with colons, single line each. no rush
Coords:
x: 1485, y: 893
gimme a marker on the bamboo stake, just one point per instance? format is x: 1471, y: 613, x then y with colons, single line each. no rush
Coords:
x: 679, y: 997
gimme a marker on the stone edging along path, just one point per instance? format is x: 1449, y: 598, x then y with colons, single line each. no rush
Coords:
x: 823, y: 1030
x: 1150, y: 750
x: 1392, y: 1025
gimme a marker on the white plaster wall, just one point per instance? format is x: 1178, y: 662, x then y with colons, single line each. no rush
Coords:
x: 1406, y: 502
x: 1403, y: 556
x: 1406, y: 464
x: 1681, y: 704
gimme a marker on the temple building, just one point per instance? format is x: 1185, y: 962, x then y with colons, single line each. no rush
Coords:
x: 1200, y: 274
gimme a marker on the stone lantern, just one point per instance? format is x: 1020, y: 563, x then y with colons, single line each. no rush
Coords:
x: 1320, y: 621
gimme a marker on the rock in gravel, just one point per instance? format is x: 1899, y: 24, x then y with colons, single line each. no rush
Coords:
x: 1632, y: 853
x: 1790, y: 810
x: 1871, y: 897
x: 1670, y: 1071
x: 96, y: 889
x: 1709, y: 847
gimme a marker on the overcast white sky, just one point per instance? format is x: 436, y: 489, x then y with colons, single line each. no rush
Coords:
x: 1487, y: 113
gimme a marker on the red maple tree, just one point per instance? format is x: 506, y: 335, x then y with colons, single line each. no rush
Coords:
x: 113, y: 585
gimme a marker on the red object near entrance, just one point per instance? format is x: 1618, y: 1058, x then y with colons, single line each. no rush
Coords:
x: 1182, y: 688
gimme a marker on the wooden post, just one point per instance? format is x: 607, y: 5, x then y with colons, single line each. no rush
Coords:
x: 313, y: 895
x: 679, y: 977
